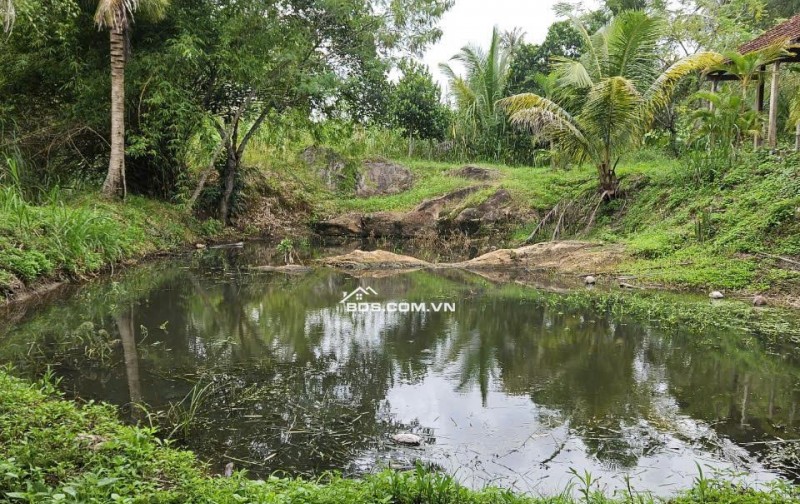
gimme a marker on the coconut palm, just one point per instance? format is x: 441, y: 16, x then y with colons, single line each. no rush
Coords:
x: 477, y: 92
x: 620, y: 90
x: 117, y: 17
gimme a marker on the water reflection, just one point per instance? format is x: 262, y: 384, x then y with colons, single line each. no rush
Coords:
x: 507, y: 390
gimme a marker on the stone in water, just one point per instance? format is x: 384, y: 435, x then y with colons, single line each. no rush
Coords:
x: 407, y: 439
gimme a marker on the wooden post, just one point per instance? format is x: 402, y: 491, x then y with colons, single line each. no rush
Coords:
x: 760, y: 103
x: 772, y: 131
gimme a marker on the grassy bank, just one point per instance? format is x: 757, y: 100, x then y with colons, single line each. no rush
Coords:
x: 52, y: 450
x: 682, y: 225
x: 76, y: 236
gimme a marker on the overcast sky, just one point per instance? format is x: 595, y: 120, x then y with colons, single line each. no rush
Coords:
x: 472, y: 21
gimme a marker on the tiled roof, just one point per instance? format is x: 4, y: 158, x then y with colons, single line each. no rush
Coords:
x: 788, y: 30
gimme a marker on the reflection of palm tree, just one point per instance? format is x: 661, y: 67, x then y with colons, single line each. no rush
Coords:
x: 127, y: 335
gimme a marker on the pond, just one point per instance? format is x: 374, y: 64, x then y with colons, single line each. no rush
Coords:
x: 506, y: 385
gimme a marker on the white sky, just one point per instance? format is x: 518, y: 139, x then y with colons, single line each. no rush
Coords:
x: 471, y: 21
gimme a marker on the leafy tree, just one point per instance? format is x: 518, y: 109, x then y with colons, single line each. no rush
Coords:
x: 255, y: 60
x: 618, y: 6
x: 117, y: 17
x: 563, y: 40
x: 622, y: 88
x: 416, y: 104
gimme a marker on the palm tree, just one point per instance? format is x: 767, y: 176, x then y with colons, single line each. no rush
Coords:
x: 620, y: 90
x: 477, y: 93
x: 117, y: 17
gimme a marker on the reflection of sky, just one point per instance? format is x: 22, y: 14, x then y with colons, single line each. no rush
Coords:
x: 506, y: 442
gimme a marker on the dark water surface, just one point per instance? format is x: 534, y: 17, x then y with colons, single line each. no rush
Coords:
x: 508, y: 390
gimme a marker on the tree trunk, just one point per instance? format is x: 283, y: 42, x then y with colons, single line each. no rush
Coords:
x: 228, y: 180
x: 609, y: 183
x: 797, y: 137
x: 115, y: 179
x: 772, y: 131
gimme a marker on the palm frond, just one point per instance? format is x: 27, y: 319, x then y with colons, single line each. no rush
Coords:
x: 662, y: 89
x: 115, y: 14
x: 632, y: 41
x: 611, y: 113
x: 542, y: 117
x: 572, y: 73
x: 593, y: 59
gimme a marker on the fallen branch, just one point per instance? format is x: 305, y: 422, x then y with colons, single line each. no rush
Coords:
x: 784, y: 259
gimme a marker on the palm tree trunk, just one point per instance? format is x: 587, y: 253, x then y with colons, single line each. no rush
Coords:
x: 609, y: 183
x: 115, y: 179
x: 127, y: 335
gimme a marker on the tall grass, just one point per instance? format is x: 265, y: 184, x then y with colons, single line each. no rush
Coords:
x: 51, y: 232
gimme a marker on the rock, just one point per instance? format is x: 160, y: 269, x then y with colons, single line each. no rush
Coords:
x: 289, y: 268
x: 407, y: 439
x: 760, y: 301
x: 495, y: 209
x: 329, y: 166
x: 716, y: 295
x: 474, y: 173
x: 397, y: 224
x: 565, y: 256
x: 380, y: 177
x: 348, y: 225
x: 376, y: 260
x: 200, y: 246
x: 435, y: 205
x: 590, y: 280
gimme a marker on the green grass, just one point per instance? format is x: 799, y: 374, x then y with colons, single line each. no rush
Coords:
x: 77, y: 236
x: 52, y: 450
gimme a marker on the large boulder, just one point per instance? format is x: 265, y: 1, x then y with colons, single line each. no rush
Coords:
x: 380, y: 177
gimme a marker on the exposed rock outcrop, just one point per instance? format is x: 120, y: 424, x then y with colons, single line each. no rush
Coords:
x: 566, y: 257
x: 344, y: 226
x: 492, y: 211
x: 378, y: 259
x: 381, y: 177
x: 426, y: 217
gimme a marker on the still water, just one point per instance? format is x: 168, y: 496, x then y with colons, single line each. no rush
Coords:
x: 510, y: 389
